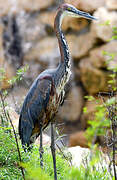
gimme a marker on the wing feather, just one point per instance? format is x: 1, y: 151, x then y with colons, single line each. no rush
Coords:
x: 33, y: 108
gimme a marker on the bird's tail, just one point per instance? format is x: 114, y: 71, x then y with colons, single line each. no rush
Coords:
x: 25, y: 130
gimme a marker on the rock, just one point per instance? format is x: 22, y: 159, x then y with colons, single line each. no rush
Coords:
x: 8, y: 74
x: 91, y: 108
x: 99, y: 60
x: 2, y: 58
x: 78, y: 139
x: 6, y: 7
x: 15, y: 6
x: 103, y: 28
x: 33, y: 71
x: 46, y: 140
x: 76, y: 24
x: 80, y: 45
x: 78, y: 154
x: 93, y: 79
x: 33, y: 5
x: 14, y: 117
x: 73, y: 104
x: 46, y: 52
x: 87, y: 5
x: 77, y: 77
x: 72, y: 23
x: 111, y: 4
x: 12, y: 41
x: 47, y: 17
x: 82, y: 156
x: 31, y: 29
x: 6, y: 70
x: 16, y: 97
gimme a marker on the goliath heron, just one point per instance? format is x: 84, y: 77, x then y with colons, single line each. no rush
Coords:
x: 47, y: 92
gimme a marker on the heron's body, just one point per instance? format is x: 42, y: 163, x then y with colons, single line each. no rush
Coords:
x: 47, y: 92
x: 41, y: 103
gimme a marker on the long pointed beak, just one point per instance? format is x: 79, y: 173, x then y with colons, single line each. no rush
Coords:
x: 86, y: 15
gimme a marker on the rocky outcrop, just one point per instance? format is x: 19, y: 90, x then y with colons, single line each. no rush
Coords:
x: 33, y: 5
x: 13, y: 6
x: 82, y: 157
x: 6, y: 70
x: 89, y: 115
x: 73, y: 105
x: 111, y: 4
x: 45, y: 52
x: 6, y: 73
x: 103, y: 27
x: 104, y: 56
x: 5, y: 8
x: 93, y: 79
x: 79, y: 48
x: 78, y: 139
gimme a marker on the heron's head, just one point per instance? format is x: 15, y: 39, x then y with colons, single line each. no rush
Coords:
x: 70, y: 10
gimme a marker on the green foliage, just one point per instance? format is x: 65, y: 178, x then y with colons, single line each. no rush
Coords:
x: 99, y: 125
x: 35, y: 173
x: 65, y: 172
x: 19, y: 75
x: 106, y: 23
x: 86, y: 174
x: 85, y: 109
x: 111, y: 101
x: 89, y: 98
x: 33, y: 165
x: 9, y: 163
x: 105, y: 116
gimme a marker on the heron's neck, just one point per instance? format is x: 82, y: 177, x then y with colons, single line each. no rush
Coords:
x: 61, y: 40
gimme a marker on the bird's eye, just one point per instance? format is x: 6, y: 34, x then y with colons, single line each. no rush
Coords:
x: 68, y: 8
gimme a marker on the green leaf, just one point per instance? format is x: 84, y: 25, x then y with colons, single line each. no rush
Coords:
x: 111, y: 81
x: 112, y: 75
x: 90, y: 98
x: 85, y: 109
x: 106, y: 23
x: 114, y: 30
x: 111, y: 101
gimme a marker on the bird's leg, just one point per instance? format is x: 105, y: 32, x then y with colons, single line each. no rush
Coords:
x: 53, y: 150
x: 41, y: 147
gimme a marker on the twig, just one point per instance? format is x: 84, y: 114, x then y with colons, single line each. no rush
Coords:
x: 18, y: 150
x: 60, y: 138
x: 70, y: 162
